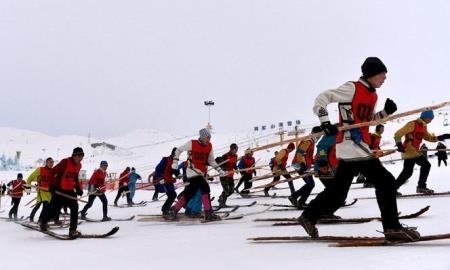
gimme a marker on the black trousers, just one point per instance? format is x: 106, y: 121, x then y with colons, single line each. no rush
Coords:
x: 34, y: 210
x: 305, y: 190
x: 58, y: 202
x: 91, y: 199
x: 45, y: 210
x: 246, y: 178
x: 334, y: 195
x: 121, y: 190
x: 277, y: 178
x: 408, y: 169
x: 196, y: 183
x: 171, y: 195
x: 15, y: 206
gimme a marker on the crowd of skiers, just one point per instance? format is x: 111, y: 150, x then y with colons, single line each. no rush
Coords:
x: 345, y: 151
x: 58, y: 187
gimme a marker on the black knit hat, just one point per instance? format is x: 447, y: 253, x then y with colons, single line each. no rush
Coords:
x: 372, y: 66
x: 77, y: 151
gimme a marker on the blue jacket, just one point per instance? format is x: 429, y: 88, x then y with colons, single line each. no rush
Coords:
x: 133, y: 178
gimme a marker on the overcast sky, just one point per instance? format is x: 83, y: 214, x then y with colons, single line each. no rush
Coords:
x: 106, y: 67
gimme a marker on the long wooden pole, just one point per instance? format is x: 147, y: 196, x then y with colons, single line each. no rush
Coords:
x: 358, y: 125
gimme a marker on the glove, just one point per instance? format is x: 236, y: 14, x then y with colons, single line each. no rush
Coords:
x: 443, y: 137
x: 79, y: 191
x: 328, y: 128
x: 175, y: 172
x: 222, y: 173
x: 161, y: 181
x: 302, y: 169
x: 389, y: 106
x: 400, y: 147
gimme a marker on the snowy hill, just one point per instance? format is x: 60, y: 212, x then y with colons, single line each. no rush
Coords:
x: 141, y: 148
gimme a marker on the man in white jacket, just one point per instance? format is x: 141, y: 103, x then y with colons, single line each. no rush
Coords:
x: 356, y: 104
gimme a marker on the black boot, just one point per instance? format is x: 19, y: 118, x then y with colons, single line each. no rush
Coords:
x: 210, y: 216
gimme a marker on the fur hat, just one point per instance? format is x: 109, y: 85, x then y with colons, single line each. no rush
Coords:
x: 203, y: 133
x: 372, y: 66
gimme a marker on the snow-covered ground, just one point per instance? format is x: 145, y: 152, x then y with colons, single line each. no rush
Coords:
x: 223, y: 245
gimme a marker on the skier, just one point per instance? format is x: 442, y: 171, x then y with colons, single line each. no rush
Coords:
x: 41, y: 175
x: 227, y: 181
x: 123, y: 186
x: 356, y: 104
x: 133, y: 178
x: 375, y: 140
x: 193, y: 208
x: 441, y: 154
x: 164, y: 181
x: 96, y: 189
x: 245, y: 164
x: 414, y: 132
x: 65, y: 187
x: 2, y: 189
x: 15, y: 190
x: 202, y: 156
x: 279, y: 168
x: 150, y: 180
x: 303, y: 160
x: 272, y: 160
x: 325, y: 161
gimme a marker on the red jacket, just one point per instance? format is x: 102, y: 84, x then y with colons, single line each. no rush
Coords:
x: 199, y: 155
x: 124, y: 177
x: 417, y: 135
x: 45, y: 179
x: 164, y: 171
x: 305, y: 153
x: 281, y: 159
x: 17, y: 187
x: 98, y: 180
x: 230, y: 165
x: 375, y: 140
x: 65, y: 175
x: 247, y: 162
x: 363, y: 106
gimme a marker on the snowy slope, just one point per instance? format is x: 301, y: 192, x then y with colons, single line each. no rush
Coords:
x: 223, y: 245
